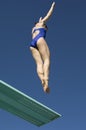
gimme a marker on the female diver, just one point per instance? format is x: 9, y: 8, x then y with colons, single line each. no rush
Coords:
x: 40, y: 50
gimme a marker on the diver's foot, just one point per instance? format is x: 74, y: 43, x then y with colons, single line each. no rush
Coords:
x: 46, y: 89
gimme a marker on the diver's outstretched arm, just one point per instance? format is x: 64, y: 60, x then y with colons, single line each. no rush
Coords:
x: 48, y: 14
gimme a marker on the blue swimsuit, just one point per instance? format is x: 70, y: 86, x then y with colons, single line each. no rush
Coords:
x: 42, y: 33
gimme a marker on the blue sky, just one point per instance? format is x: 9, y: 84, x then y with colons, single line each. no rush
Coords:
x: 66, y: 38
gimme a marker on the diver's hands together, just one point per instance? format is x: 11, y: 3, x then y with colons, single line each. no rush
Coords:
x: 53, y: 4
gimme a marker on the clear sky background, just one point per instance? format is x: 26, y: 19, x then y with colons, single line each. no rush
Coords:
x: 66, y: 38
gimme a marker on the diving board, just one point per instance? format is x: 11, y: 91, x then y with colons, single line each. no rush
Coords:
x: 20, y: 104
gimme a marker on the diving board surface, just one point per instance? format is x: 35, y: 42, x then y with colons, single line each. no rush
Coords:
x: 20, y: 104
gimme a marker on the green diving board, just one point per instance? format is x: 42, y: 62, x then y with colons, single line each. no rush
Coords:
x: 18, y: 103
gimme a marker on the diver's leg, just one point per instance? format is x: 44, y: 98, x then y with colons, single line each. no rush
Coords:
x: 37, y: 57
x: 45, y: 54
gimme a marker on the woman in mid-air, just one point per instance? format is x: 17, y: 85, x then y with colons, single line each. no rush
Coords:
x: 40, y: 50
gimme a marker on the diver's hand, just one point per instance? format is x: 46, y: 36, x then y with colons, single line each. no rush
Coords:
x: 53, y: 4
